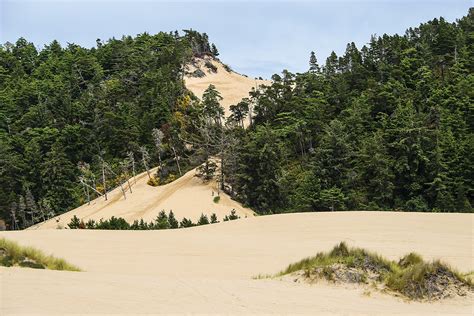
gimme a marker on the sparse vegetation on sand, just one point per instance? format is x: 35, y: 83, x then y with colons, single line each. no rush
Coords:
x: 12, y: 254
x: 163, y: 221
x: 411, y: 276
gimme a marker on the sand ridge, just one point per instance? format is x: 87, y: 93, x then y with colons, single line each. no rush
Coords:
x: 187, y: 196
x: 209, y: 269
x: 232, y: 86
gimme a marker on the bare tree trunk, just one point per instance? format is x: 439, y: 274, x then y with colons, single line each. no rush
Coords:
x: 86, y: 192
x: 177, y: 161
x: 103, y: 180
x: 132, y: 160
x: 144, y: 160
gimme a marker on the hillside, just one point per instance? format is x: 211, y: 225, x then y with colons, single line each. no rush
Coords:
x: 209, y: 269
x: 187, y: 197
x: 231, y: 85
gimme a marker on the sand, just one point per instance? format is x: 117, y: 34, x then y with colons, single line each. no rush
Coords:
x: 209, y: 269
x: 231, y: 85
x: 187, y: 196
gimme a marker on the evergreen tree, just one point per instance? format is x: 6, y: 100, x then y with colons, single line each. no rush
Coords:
x: 313, y: 63
x: 172, y: 220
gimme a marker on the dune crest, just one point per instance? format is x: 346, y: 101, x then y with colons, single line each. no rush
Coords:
x: 231, y: 85
x: 187, y: 196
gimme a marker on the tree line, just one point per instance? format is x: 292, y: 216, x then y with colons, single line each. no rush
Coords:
x: 388, y: 126
x: 76, y: 122
x: 162, y: 221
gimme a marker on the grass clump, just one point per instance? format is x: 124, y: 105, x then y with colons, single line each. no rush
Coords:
x: 154, y: 182
x: 12, y: 254
x: 411, y: 276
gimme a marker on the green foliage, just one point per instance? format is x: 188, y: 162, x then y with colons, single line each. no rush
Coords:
x: 154, y: 182
x: 207, y: 170
x: 114, y: 223
x: 186, y: 223
x: 231, y: 217
x: 216, y: 199
x: 12, y: 254
x: 67, y: 105
x: 214, y: 219
x: 75, y: 222
x: 203, y: 220
x: 173, y: 221
x: 368, y: 130
x: 162, y: 221
x: 411, y: 276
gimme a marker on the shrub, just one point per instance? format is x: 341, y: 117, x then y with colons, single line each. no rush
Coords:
x: 217, y: 199
x: 207, y: 170
x: 198, y: 73
x: 75, y: 223
x: 153, y: 182
x: 161, y: 221
x: 410, y: 276
x: 231, y: 217
x: 114, y: 223
x: 90, y: 224
x: 214, y: 218
x: 203, y: 220
x: 173, y: 221
x: 210, y: 66
x: 227, y: 68
x: 186, y: 223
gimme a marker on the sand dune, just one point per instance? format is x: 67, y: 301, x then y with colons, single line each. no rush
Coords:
x: 187, y: 196
x: 232, y: 86
x: 209, y: 269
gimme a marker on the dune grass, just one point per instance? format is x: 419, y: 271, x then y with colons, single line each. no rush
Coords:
x: 12, y: 254
x: 411, y: 276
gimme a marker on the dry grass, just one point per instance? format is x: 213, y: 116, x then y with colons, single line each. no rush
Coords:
x: 411, y: 276
x: 12, y: 254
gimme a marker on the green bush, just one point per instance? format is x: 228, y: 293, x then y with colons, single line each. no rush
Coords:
x: 161, y: 221
x: 173, y: 221
x: 153, y: 182
x: 214, y: 218
x: 75, y: 222
x: 233, y: 216
x: 203, y: 220
x: 186, y: 223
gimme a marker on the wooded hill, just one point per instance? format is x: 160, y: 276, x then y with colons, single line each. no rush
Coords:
x: 386, y: 126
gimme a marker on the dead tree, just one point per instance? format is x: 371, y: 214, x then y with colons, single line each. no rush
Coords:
x: 103, y: 178
x: 132, y: 161
x: 145, y: 158
x: 176, y: 159
x: 13, y: 209
x: 158, y: 138
x: 120, y: 181
x: 124, y: 165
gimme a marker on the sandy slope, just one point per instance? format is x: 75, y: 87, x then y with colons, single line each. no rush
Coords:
x: 208, y: 269
x: 232, y: 86
x: 187, y: 196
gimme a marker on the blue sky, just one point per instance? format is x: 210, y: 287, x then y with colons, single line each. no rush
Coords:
x: 257, y: 38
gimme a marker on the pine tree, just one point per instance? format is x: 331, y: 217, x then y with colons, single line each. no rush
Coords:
x: 214, y: 218
x: 161, y: 221
x: 313, y: 64
x: 172, y: 220
x: 214, y: 50
x: 203, y: 220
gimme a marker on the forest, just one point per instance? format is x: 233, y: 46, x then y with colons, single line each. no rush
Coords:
x: 388, y: 126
